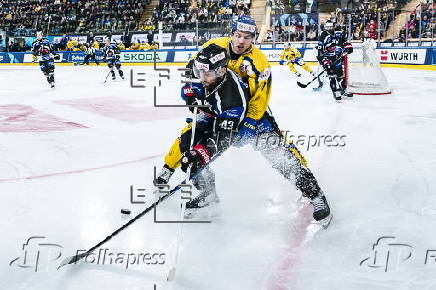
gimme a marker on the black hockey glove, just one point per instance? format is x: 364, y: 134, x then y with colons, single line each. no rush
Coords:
x: 56, y: 56
x: 348, y: 48
x: 198, y: 157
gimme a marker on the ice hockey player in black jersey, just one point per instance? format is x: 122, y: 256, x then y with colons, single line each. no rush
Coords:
x: 43, y: 52
x: 90, y: 54
x: 227, y: 95
x: 332, y: 48
x: 111, y: 54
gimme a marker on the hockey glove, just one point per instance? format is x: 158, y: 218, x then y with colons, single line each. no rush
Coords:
x: 299, y: 61
x: 247, y: 131
x: 282, y: 62
x: 56, y: 56
x: 191, y: 93
x: 198, y: 157
x: 348, y: 47
x: 327, y: 64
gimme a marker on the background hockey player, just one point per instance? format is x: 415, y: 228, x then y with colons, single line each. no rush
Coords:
x: 111, y: 54
x: 44, y: 54
x: 252, y: 66
x: 90, y: 54
x: 331, y: 51
x: 291, y: 56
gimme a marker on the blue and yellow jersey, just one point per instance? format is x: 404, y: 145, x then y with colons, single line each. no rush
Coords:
x: 253, y: 67
x: 290, y: 54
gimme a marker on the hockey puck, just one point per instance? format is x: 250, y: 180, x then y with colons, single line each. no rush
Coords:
x: 125, y: 211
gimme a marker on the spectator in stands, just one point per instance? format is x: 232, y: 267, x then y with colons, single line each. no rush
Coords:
x: 150, y: 37
x: 183, y: 40
x: 63, y: 42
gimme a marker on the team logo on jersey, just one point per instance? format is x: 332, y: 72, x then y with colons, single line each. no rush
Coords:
x: 265, y: 74
x: 246, y: 67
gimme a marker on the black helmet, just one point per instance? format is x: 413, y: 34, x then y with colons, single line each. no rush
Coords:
x: 212, y: 57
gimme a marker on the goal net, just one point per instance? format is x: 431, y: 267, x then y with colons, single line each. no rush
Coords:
x: 363, y: 72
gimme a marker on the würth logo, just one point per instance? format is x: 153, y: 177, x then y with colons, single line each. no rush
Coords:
x: 384, y: 55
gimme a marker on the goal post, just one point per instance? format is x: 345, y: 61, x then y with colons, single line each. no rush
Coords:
x: 363, y: 73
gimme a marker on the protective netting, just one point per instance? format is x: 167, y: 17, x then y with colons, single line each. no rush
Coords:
x: 363, y: 72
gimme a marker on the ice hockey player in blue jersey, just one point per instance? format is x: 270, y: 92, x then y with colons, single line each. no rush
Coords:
x: 332, y: 47
x: 111, y: 54
x: 43, y: 52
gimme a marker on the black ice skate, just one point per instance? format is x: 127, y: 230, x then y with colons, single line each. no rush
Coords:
x: 205, y: 203
x: 202, y: 200
x: 321, y: 209
x: 203, y: 206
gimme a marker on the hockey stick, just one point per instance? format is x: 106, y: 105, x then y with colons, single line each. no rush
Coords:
x: 301, y: 85
x: 172, y: 272
x: 105, y: 80
x: 77, y: 258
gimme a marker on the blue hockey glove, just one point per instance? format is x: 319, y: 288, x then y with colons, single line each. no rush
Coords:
x: 282, y: 62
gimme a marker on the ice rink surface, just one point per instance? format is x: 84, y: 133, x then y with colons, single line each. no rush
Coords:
x: 70, y: 156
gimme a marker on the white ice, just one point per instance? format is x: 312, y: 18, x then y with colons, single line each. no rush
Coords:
x: 68, y: 157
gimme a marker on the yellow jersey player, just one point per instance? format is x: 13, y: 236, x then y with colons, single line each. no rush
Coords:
x: 256, y: 125
x: 291, y: 56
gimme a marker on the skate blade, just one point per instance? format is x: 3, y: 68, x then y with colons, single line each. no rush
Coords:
x: 203, y: 213
x: 317, y: 226
x: 324, y: 223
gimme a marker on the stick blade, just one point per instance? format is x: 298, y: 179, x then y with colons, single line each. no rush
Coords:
x: 72, y: 260
x: 171, y: 274
x: 301, y: 85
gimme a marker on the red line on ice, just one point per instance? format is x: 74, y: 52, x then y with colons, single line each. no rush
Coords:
x: 80, y: 170
x: 284, y: 275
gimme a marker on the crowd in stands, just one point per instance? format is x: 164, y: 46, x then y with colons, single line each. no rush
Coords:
x: 424, y: 16
x: 66, y: 16
x: 184, y: 14
x: 291, y: 20
x: 364, y: 18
